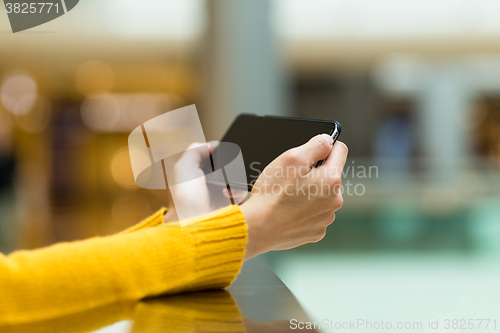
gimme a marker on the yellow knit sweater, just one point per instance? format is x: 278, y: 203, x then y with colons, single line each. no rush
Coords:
x: 148, y: 259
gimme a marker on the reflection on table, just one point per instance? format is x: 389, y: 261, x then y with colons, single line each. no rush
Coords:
x: 256, y: 302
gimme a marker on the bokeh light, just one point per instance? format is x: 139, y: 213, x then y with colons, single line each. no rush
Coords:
x: 18, y: 93
x: 101, y: 112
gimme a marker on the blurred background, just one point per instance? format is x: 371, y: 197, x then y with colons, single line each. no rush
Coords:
x: 415, y: 85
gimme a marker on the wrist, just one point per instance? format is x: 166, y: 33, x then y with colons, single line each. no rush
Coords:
x: 258, y: 241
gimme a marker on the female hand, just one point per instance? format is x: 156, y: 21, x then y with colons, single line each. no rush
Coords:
x: 194, y: 197
x: 191, y: 196
x: 293, y: 202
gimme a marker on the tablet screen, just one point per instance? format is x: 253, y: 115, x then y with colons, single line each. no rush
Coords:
x: 263, y: 138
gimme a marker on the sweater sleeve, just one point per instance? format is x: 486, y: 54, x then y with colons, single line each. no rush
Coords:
x: 148, y: 259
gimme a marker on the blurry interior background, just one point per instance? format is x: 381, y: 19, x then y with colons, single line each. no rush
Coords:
x: 415, y: 85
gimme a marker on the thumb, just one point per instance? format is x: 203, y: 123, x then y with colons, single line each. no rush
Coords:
x: 316, y: 149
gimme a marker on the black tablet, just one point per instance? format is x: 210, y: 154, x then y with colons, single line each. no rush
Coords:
x: 263, y: 138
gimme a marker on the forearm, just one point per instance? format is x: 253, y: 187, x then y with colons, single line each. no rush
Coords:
x: 71, y: 277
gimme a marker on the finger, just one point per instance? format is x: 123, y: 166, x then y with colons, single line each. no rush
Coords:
x: 202, y: 150
x: 336, y: 160
x: 197, y: 153
x: 316, y: 149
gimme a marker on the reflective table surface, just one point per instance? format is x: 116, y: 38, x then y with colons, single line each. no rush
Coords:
x: 257, y: 301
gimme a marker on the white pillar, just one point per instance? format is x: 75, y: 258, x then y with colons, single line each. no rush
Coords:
x: 243, y: 65
x: 445, y: 107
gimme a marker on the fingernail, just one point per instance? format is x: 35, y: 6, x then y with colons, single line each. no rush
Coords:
x: 329, y: 139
